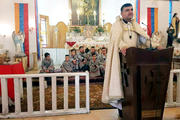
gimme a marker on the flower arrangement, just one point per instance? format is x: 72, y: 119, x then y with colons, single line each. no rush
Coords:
x: 99, y: 29
x: 77, y: 30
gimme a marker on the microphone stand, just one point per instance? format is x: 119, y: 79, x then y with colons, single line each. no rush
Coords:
x: 151, y: 48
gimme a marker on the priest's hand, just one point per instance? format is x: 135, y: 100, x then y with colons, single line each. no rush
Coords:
x: 159, y: 47
x: 123, y: 51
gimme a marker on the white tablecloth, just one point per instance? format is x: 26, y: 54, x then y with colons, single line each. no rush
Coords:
x: 87, y: 45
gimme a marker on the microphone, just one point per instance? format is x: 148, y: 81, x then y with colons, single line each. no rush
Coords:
x: 144, y: 24
x: 150, y: 34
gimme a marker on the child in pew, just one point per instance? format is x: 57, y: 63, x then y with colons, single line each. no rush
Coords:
x: 73, y: 55
x: 47, y: 64
x: 81, y: 54
x: 47, y: 67
x: 75, y: 65
x: 74, y: 61
x: 95, y: 66
x: 91, y: 52
x: 102, y: 59
x: 83, y: 66
x: 67, y: 65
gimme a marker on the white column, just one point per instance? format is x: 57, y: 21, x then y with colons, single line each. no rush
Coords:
x: 87, y: 91
x: 42, y: 97
x: 4, y: 93
x: 65, y: 92
x: 29, y: 95
x: 35, y: 66
x: 17, y: 96
x: 54, y: 94
x: 21, y: 87
x: 77, y: 100
x: 170, y: 89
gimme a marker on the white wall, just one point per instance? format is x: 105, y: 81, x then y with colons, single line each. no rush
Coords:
x: 57, y: 10
x: 176, y: 7
x: 7, y: 25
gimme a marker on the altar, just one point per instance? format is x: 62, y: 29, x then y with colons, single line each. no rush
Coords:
x: 74, y: 40
x: 87, y: 43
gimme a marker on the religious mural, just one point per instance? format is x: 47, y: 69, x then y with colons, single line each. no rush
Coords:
x: 85, y: 12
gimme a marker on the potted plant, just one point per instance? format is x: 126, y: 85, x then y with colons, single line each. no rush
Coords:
x: 100, y: 30
x: 77, y: 30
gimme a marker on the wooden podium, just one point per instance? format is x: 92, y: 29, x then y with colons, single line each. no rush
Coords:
x: 145, y: 75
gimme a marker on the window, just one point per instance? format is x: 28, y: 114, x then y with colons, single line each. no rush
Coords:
x: 43, y: 33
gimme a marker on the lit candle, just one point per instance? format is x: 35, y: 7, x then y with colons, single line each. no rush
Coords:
x: 94, y: 17
x: 94, y: 14
x: 70, y: 13
x: 78, y: 13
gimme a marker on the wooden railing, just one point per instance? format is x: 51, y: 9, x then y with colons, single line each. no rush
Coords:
x: 42, y: 112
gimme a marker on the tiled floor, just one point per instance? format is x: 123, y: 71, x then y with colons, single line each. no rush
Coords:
x: 110, y: 114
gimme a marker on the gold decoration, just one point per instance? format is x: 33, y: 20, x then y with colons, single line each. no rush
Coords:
x: 53, y: 36
x: 107, y: 27
x: 1, y: 59
x: 35, y: 66
x: 87, y: 12
x: 6, y: 57
x: 61, y: 39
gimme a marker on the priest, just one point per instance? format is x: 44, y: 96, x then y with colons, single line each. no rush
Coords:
x: 125, y: 33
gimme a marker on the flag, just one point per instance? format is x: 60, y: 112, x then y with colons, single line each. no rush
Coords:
x: 170, y: 12
x: 152, y: 20
x: 22, y: 24
x: 37, y: 28
x: 137, y: 11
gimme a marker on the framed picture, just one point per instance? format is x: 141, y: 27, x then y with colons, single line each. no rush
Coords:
x: 85, y: 12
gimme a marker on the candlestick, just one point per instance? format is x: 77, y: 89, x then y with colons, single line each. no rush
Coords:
x: 78, y: 13
x: 94, y: 17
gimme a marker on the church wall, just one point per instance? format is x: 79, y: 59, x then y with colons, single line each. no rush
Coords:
x: 7, y: 26
x: 163, y: 13
x: 57, y: 10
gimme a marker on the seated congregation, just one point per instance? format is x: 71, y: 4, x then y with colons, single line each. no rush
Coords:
x: 81, y: 60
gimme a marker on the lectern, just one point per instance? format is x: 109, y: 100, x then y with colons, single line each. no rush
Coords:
x: 145, y: 75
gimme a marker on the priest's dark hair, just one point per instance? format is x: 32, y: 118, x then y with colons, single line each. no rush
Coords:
x: 46, y: 54
x: 66, y: 55
x: 125, y: 5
